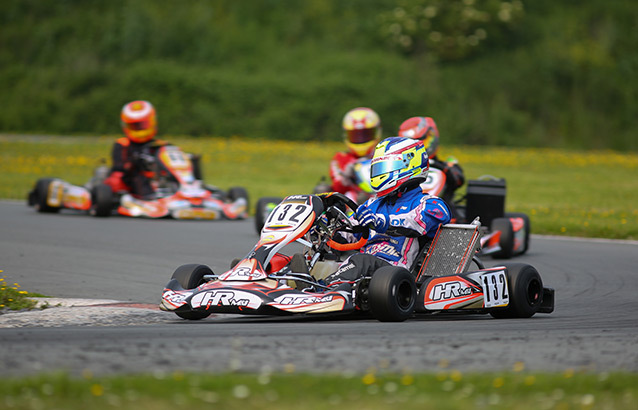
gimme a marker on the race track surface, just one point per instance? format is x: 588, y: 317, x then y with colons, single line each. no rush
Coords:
x: 593, y: 328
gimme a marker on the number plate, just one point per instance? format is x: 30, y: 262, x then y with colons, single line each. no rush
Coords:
x: 289, y: 215
x: 495, y: 289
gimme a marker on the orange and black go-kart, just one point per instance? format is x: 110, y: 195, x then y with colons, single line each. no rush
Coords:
x: 179, y: 192
x: 269, y: 281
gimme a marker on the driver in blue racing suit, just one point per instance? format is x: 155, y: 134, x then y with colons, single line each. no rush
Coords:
x: 398, y: 215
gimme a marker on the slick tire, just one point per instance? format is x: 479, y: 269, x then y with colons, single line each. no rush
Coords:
x: 527, y: 225
x: 262, y: 210
x: 101, y: 200
x: 237, y: 192
x: 40, y: 194
x: 392, y: 294
x: 189, y: 277
x: 525, y: 292
x: 506, y: 242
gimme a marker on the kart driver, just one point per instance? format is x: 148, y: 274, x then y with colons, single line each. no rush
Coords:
x: 397, y: 215
x: 361, y: 132
x: 132, y: 155
x: 425, y: 129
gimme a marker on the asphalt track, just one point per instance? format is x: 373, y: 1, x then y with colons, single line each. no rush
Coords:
x: 594, y: 326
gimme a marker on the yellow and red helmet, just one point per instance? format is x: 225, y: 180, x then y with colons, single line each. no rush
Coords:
x: 424, y: 129
x: 139, y: 122
x: 361, y: 130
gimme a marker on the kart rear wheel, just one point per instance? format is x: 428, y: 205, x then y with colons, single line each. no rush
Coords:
x: 506, y: 241
x: 526, y: 226
x: 40, y: 194
x: 263, y: 208
x: 525, y: 292
x: 101, y: 200
x: 392, y: 294
x: 189, y: 277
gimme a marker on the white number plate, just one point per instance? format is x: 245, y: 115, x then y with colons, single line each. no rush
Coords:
x: 288, y: 215
x: 495, y: 289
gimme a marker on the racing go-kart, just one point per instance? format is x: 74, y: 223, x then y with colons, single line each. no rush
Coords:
x: 179, y: 192
x: 268, y: 282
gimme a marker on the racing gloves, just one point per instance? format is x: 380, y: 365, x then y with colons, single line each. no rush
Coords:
x: 373, y: 221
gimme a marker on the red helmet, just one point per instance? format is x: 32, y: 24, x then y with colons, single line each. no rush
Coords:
x: 138, y: 121
x: 362, y: 130
x: 424, y: 129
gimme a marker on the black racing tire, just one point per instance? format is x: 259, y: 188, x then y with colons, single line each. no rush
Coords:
x: 263, y: 208
x: 392, y: 294
x: 236, y: 192
x: 506, y: 242
x: 528, y: 227
x: 189, y: 277
x: 40, y: 194
x: 101, y: 200
x: 525, y: 292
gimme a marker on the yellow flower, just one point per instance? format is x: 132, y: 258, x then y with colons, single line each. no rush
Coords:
x: 368, y: 379
x: 97, y: 390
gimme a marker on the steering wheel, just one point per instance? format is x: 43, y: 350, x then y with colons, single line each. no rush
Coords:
x: 336, y: 204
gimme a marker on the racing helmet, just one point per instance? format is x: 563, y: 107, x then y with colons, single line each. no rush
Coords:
x: 361, y: 130
x: 424, y: 129
x: 138, y: 121
x: 396, y: 161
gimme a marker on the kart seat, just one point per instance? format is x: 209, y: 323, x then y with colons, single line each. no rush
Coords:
x: 449, y: 252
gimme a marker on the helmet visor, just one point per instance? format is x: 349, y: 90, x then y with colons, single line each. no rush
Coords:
x: 138, y: 125
x: 362, y: 135
x: 386, y: 164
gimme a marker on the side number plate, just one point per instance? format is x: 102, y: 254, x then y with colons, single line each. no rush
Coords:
x: 495, y: 290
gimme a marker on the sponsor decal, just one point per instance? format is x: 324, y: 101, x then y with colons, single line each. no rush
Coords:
x: 176, y: 298
x: 349, y: 266
x: 299, y: 300
x: 296, y: 197
x: 449, y: 290
x: 225, y: 297
x: 244, y: 273
x: 394, y: 221
x: 395, y: 157
x: 383, y: 248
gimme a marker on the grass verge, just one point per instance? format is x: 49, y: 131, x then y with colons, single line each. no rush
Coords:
x: 577, y: 193
x: 14, y: 298
x: 442, y: 390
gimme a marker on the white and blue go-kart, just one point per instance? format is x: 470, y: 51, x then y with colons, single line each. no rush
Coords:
x: 283, y: 273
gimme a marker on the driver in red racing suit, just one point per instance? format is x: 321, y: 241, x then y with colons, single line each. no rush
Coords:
x: 361, y: 132
x: 398, y: 215
x: 131, y: 155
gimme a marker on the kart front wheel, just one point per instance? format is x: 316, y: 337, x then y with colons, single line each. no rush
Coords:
x: 525, y: 292
x: 189, y: 277
x: 101, y: 200
x: 40, y: 195
x: 392, y: 294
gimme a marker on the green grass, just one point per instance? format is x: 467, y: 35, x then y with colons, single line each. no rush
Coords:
x: 14, y: 298
x: 576, y: 193
x: 442, y: 390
